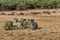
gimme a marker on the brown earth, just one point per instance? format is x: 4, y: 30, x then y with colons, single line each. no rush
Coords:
x: 49, y: 27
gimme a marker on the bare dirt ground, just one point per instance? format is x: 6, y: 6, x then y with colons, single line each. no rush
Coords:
x: 49, y: 28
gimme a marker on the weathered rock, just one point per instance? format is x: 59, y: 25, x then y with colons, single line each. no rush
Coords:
x: 33, y: 25
x: 8, y: 25
x: 20, y: 24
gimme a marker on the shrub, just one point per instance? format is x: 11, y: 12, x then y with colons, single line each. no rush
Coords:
x: 26, y: 4
x: 46, y: 12
x: 2, y: 14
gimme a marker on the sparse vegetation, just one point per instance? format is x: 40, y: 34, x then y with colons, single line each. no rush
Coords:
x: 2, y: 13
x: 27, y: 4
x: 12, y: 13
x: 48, y: 28
x: 46, y: 12
x: 22, y: 27
x: 53, y: 11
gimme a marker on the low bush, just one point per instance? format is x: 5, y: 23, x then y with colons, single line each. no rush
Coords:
x: 28, y: 4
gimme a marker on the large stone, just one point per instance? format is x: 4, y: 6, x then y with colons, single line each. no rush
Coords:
x: 33, y: 25
x: 8, y: 25
x: 20, y: 24
x: 26, y: 23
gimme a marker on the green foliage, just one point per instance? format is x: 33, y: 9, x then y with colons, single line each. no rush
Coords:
x: 26, y: 4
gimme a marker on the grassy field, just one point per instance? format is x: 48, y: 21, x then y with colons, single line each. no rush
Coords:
x: 49, y: 29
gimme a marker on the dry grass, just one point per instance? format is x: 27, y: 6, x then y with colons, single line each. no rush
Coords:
x: 49, y: 29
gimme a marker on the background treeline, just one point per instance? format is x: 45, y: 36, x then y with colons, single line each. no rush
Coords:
x: 28, y: 4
